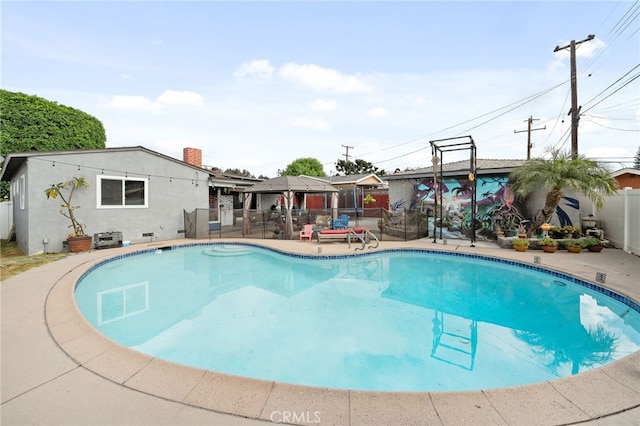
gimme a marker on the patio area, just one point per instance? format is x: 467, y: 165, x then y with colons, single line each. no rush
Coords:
x: 57, y: 370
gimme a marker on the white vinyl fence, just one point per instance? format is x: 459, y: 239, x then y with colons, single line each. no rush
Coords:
x: 621, y: 220
x: 6, y: 219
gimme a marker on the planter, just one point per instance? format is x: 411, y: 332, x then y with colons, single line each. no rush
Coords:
x: 549, y: 249
x: 520, y: 248
x: 77, y: 244
x: 595, y: 249
x: 574, y: 249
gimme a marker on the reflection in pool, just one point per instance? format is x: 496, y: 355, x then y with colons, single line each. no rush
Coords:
x: 408, y: 320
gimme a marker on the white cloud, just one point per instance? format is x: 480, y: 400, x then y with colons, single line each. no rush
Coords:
x: 377, y: 112
x: 130, y: 102
x: 324, y: 105
x: 125, y: 76
x: 324, y: 79
x: 168, y: 98
x: 185, y: 98
x: 256, y: 68
x: 156, y: 42
x: 311, y: 123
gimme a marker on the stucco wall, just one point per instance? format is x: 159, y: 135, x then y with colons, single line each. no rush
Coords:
x: 172, y: 187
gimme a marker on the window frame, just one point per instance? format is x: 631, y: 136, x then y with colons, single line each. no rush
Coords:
x: 123, y: 180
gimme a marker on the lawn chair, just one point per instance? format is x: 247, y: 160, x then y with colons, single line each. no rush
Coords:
x: 306, y: 232
x: 341, y: 222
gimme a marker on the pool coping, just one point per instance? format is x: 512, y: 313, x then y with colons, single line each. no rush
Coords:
x: 587, y: 396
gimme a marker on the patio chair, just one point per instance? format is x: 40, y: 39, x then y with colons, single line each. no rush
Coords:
x: 341, y: 222
x: 306, y: 232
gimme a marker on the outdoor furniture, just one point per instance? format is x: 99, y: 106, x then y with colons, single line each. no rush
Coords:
x: 341, y: 222
x: 306, y: 232
x: 323, y: 221
x: 339, y: 234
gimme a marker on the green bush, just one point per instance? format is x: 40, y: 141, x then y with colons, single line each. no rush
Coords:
x: 547, y: 241
x: 30, y: 123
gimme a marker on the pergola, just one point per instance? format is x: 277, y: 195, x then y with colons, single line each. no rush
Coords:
x: 288, y: 186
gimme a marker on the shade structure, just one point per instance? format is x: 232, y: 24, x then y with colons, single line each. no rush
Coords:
x: 288, y: 185
x: 282, y: 184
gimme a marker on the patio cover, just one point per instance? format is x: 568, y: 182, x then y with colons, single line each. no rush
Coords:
x: 288, y: 185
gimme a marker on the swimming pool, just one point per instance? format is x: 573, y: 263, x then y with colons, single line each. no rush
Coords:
x: 394, y: 320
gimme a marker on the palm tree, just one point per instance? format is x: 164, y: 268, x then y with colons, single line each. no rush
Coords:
x: 561, y: 172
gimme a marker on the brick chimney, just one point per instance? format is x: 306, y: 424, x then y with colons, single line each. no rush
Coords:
x: 192, y: 156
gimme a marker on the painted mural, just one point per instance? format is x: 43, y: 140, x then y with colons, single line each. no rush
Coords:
x: 496, y: 209
x: 495, y: 206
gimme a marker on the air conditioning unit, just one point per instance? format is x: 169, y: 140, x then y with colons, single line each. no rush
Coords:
x: 108, y: 240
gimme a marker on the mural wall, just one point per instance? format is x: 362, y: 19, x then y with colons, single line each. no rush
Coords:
x: 496, y: 209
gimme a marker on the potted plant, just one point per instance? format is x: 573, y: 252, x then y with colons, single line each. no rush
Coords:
x: 593, y: 244
x: 569, y: 231
x: 520, y: 244
x: 573, y: 245
x: 77, y: 240
x: 548, y: 244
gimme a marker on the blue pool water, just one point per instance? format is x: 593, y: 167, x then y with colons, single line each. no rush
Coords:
x: 393, y: 320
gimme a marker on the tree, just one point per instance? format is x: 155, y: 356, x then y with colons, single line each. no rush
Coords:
x: 560, y: 173
x: 305, y: 166
x: 636, y: 160
x: 237, y: 172
x: 30, y: 123
x: 357, y: 167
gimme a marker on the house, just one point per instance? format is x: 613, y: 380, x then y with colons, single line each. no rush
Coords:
x: 627, y: 178
x: 133, y: 190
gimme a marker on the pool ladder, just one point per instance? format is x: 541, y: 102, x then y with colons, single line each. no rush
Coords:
x: 363, y: 238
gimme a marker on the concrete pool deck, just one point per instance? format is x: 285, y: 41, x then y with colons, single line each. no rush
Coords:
x: 57, y: 370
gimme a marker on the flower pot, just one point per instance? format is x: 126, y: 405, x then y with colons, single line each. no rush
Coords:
x: 520, y: 248
x: 595, y: 249
x: 574, y: 249
x: 77, y: 244
x: 549, y: 249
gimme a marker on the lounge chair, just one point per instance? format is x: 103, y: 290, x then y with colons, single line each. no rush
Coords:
x: 306, y: 232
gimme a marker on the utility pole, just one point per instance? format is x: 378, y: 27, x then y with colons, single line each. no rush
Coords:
x: 575, y: 109
x: 529, y: 130
x: 347, y: 153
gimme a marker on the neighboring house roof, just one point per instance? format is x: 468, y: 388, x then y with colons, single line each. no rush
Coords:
x: 227, y: 180
x: 364, y: 179
x: 16, y: 159
x: 483, y: 167
x: 625, y: 171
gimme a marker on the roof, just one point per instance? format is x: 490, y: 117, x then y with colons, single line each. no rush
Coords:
x: 483, y: 167
x: 362, y: 179
x: 626, y: 171
x: 220, y: 179
x: 291, y: 183
x: 14, y: 160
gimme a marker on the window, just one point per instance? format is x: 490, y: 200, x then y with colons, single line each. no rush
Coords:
x: 116, y: 192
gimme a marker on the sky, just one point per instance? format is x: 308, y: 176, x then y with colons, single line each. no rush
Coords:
x: 257, y: 85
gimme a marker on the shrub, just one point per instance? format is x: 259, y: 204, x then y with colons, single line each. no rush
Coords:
x: 521, y: 242
x: 547, y: 241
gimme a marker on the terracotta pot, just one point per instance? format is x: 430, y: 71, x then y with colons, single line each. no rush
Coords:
x: 77, y: 244
x: 574, y: 249
x: 595, y: 249
x: 549, y: 249
x: 520, y: 248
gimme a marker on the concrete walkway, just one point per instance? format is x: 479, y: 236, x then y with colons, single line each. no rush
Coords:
x: 57, y: 370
